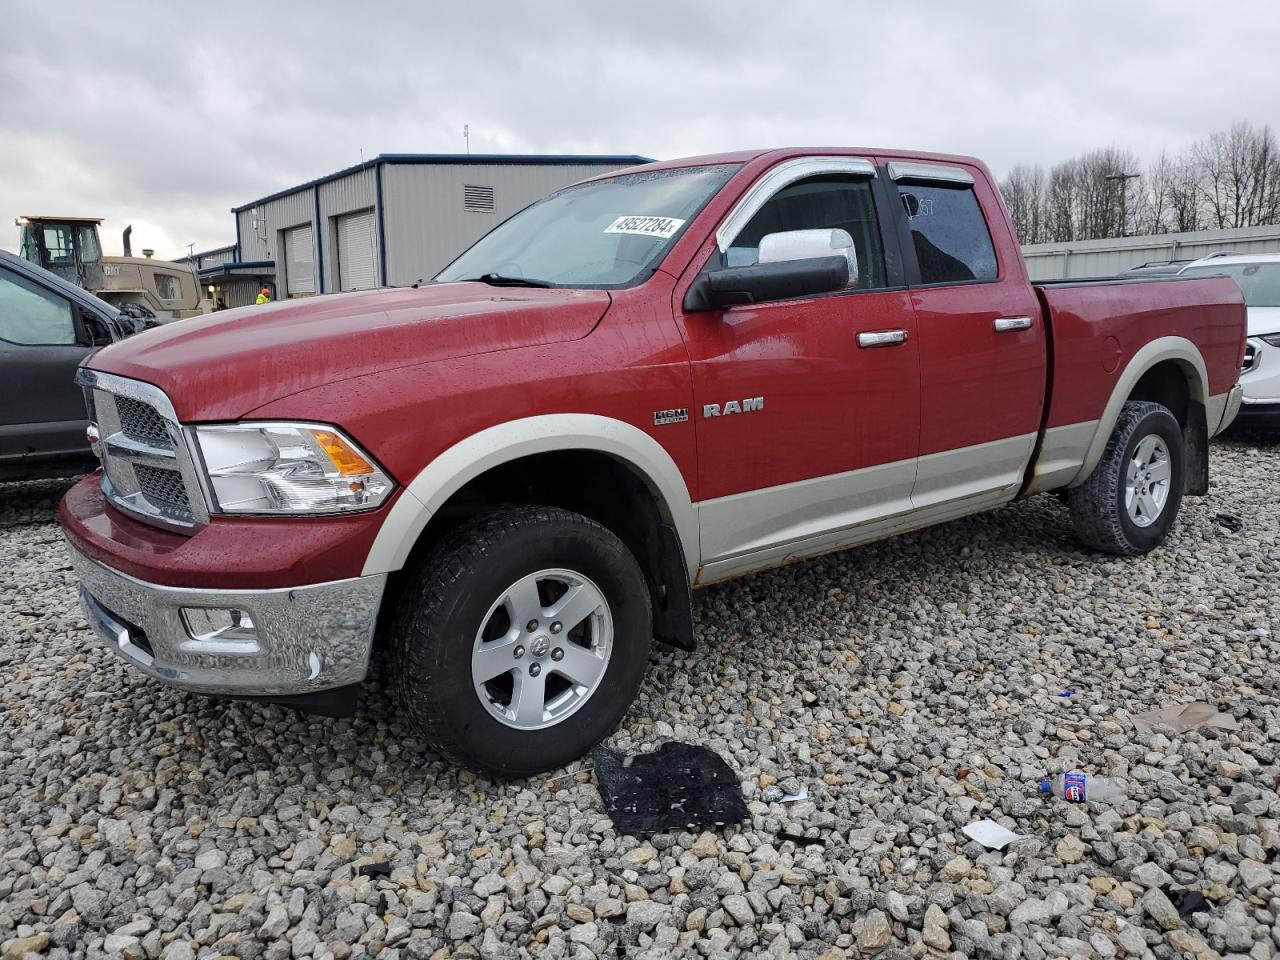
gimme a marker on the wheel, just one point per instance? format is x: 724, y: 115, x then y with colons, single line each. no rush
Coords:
x: 521, y: 640
x: 1129, y: 503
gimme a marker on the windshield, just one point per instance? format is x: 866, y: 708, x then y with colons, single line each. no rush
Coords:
x: 605, y: 233
x: 1259, y: 282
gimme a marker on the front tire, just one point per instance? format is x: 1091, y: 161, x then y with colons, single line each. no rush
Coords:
x: 1128, y: 505
x: 521, y: 640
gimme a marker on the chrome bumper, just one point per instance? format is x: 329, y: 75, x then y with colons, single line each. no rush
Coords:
x: 307, y: 639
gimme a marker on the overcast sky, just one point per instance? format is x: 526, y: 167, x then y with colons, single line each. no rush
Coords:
x: 167, y: 115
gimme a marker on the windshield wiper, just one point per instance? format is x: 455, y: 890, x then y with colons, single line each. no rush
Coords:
x: 498, y: 280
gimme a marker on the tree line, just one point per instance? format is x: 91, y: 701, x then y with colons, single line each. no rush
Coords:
x: 1229, y: 179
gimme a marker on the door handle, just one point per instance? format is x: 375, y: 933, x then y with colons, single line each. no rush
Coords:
x: 1009, y: 324
x: 882, y: 338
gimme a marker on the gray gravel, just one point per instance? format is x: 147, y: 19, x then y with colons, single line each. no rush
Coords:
x: 911, y: 687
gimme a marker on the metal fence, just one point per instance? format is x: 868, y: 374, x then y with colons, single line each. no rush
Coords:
x: 1106, y: 258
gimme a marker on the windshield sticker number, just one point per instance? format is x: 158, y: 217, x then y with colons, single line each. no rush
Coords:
x: 662, y: 228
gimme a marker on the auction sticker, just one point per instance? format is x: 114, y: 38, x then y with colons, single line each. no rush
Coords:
x: 661, y: 227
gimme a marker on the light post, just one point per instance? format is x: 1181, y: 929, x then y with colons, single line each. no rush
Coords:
x: 1123, y: 179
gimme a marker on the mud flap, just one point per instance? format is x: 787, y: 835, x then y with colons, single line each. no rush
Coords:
x: 1196, y: 435
x: 672, y: 594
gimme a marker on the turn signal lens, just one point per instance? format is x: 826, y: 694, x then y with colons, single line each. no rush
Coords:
x: 344, y: 456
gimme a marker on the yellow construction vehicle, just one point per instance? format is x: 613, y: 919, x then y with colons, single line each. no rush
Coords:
x: 146, y: 288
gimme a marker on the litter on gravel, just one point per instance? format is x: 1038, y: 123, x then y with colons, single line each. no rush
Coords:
x: 991, y: 835
x: 675, y: 787
x: 1181, y: 717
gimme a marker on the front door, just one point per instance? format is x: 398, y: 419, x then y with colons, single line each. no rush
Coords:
x: 982, y: 344
x: 42, y: 411
x: 807, y: 429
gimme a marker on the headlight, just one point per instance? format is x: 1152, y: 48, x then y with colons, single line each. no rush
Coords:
x: 288, y: 468
x: 1272, y: 339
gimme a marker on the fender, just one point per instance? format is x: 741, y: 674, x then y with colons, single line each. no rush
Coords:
x: 1179, y: 349
x: 469, y: 458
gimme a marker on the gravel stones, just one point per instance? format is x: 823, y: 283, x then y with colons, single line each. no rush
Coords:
x: 191, y: 829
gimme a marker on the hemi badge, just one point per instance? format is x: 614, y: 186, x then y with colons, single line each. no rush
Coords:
x: 678, y: 415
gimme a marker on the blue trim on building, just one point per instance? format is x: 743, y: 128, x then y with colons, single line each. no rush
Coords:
x: 380, y: 225
x: 238, y: 251
x: 492, y: 159
x: 225, y: 268
x: 319, y: 239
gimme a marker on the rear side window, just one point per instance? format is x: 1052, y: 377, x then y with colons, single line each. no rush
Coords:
x: 827, y: 201
x: 32, y: 315
x: 949, y: 234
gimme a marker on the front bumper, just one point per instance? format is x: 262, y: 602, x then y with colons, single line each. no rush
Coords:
x: 308, y: 639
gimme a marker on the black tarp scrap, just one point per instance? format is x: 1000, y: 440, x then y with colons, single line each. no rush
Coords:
x: 678, y: 786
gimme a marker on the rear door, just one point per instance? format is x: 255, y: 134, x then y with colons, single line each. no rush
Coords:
x: 807, y: 432
x: 983, y: 357
x: 42, y: 410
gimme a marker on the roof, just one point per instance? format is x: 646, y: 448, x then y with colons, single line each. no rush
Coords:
x: 460, y: 159
x: 28, y: 216
x: 1232, y: 259
x: 28, y: 270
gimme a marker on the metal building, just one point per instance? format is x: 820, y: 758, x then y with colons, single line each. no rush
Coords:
x: 1106, y: 258
x: 392, y: 220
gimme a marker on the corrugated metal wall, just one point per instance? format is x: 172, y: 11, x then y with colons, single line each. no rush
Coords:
x: 263, y: 243
x: 426, y: 225
x: 215, y: 257
x: 1106, y: 258
x: 356, y: 191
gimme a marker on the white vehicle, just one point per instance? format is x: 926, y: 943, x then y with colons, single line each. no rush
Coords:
x: 1259, y: 278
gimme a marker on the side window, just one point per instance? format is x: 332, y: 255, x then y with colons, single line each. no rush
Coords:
x: 32, y: 315
x: 949, y: 233
x: 827, y: 201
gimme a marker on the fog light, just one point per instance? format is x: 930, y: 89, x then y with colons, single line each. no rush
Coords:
x: 235, y: 628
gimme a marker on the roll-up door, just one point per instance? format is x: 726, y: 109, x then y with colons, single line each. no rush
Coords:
x: 299, y: 260
x: 356, y: 252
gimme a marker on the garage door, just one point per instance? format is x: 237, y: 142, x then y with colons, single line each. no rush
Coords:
x: 299, y: 261
x: 356, y: 252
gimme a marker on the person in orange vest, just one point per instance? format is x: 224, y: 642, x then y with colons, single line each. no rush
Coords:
x: 264, y: 296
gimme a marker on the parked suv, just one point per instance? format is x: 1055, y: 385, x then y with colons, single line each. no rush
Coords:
x: 647, y: 382
x: 47, y: 328
x: 1259, y: 278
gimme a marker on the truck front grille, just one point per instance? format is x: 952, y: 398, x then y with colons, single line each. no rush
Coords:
x: 147, y: 467
x: 141, y: 422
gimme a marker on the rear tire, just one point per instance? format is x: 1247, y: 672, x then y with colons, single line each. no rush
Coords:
x: 521, y: 640
x: 1128, y: 505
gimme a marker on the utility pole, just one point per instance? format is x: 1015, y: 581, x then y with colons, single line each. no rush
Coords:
x: 466, y: 135
x: 1123, y: 179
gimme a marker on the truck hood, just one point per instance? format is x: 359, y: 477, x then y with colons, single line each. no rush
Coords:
x: 220, y: 366
x: 1264, y: 320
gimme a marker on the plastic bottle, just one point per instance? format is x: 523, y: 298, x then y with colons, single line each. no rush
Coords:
x: 1076, y: 787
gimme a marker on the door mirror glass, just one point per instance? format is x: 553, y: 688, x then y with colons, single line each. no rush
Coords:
x: 30, y: 314
x: 810, y: 245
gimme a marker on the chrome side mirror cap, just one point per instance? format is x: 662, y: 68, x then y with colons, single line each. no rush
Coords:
x: 810, y: 245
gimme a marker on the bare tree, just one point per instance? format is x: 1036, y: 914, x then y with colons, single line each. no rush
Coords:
x: 1239, y: 176
x: 1024, y: 194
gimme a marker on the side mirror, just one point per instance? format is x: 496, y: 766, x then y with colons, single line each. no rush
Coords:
x: 796, y: 263
x: 810, y: 245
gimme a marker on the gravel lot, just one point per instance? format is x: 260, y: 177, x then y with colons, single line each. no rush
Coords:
x: 912, y: 687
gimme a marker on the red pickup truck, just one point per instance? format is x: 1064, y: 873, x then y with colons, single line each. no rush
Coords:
x: 512, y: 477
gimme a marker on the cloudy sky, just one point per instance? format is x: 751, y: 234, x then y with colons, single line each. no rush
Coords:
x: 166, y: 115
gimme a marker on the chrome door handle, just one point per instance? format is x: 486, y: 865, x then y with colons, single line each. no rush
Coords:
x: 882, y: 338
x: 1007, y: 324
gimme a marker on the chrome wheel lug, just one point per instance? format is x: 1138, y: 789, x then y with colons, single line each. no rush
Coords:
x: 557, y: 654
x: 534, y: 669
x: 557, y: 627
x: 518, y: 652
x: 531, y: 626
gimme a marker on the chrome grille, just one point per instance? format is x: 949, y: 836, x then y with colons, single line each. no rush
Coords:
x: 156, y: 483
x: 147, y: 468
x: 141, y: 422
